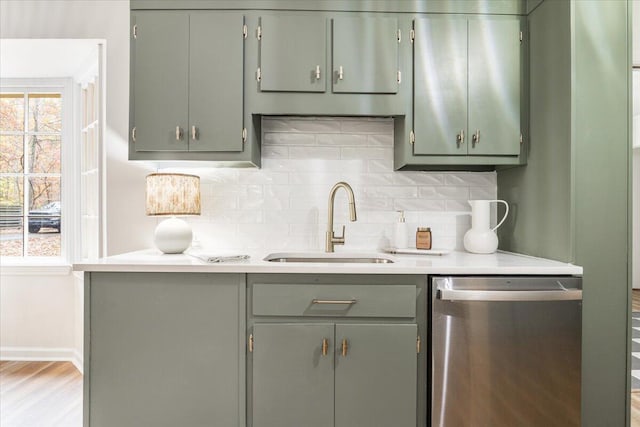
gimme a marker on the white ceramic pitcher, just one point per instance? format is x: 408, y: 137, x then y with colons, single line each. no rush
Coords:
x: 481, y: 238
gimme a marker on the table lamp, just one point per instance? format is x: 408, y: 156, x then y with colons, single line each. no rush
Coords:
x: 172, y: 194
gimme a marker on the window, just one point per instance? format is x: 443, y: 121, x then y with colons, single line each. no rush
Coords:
x: 32, y: 212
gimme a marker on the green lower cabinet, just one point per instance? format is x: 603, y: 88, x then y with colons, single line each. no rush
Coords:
x: 376, y: 380
x: 292, y: 380
x: 164, y: 350
x: 342, y: 375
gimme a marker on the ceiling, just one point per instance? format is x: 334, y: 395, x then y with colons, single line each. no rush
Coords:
x: 38, y: 58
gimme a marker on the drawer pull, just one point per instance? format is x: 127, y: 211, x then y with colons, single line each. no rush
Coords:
x: 325, y: 346
x: 334, y: 301
x: 345, y: 347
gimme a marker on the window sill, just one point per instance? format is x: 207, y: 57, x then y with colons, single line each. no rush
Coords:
x: 35, y: 267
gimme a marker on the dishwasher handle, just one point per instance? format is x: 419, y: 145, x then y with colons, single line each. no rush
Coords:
x: 481, y: 295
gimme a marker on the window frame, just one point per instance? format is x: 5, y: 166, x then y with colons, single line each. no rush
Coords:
x: 68, y: 185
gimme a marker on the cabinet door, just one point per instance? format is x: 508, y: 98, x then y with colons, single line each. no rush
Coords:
x: 160, y: 61
x: 494, y: 86
x: 440, y: 91
x: 292, y: 379
x: 164, y: 349
x: 216, y: 55
x: 376, y: 382
x: 365, y: 55
x: 292, y: 50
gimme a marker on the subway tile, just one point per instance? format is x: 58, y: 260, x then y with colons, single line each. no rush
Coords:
x: 275, y: 152
x: 384, y: 140
x: 470, y: 178
x: 482, y: 193
x: 379, y: 217
x: 382, y: 165
x: 453, y: 192
x: 272, y: 138
x: 418, y: 178
x: 365, y: 126
x: 301, y: 125
x: 326, y: 179
x: 327, y: 153
x: 343, y: 140
x: 291, y: 216
x: 377, y: 179
x: 263, y: 177
x: 376, y: 204
x: 457, y: 206
x: 391, y: 191
x: 366, y: 153
x: 418, y: 204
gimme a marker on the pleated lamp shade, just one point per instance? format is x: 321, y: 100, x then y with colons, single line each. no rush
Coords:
x: 173, y: 194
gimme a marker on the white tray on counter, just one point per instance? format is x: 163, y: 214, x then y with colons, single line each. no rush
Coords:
x: 413, y: 251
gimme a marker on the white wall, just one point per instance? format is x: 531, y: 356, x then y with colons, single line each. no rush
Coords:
x: 37, y: 317
x: 42, y: 312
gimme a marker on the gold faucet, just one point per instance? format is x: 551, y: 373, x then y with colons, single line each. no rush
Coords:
x: 332, y: 239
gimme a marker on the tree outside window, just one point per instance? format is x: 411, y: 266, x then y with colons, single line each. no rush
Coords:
x: 30, y: 174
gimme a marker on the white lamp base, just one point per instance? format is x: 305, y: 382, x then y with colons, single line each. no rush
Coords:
x: 173, y: 236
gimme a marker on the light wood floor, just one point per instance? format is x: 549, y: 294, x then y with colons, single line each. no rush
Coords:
x: 40, y: 394
x: 635, y: 300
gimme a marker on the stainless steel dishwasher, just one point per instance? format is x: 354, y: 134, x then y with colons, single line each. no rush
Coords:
x: 505, y: 351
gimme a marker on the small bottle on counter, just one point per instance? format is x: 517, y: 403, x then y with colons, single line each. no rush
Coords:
x: 401, y: 234
x: 423, y: 238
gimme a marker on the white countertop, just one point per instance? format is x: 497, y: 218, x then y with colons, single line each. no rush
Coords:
x: 458, y: 263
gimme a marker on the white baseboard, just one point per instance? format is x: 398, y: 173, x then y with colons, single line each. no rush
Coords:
x: 43, y: 354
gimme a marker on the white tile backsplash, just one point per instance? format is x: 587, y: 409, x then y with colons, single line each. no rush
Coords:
x: 283, y: 206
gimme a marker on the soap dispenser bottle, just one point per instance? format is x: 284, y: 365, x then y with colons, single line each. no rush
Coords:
x: 401, y: 235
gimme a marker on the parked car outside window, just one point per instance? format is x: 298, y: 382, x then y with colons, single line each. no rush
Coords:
x: 47, y: 216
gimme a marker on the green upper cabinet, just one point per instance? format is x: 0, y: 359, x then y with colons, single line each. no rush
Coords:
x: 187, y: 86
x: 293, y: 50
x: 467, y: 89
x: 494, y: 87
x: 365, y: 55
x: 160, y: 80
x: 216, y: 54
x: 440, y: 102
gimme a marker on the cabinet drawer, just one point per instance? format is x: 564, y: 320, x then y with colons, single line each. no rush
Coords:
x: 334, y: 300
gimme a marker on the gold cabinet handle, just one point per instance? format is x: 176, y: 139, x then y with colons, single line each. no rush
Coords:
x: 345, y: 347
x: 194, y: 133
x: 178, y: 133
x: 334, y: 301
x: 325, y: 346
x: 475, y: 139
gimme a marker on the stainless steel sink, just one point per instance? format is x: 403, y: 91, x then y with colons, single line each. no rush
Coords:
x: 319, y: 257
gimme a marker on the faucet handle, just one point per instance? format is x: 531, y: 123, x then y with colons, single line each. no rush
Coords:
x: 342, y: 235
